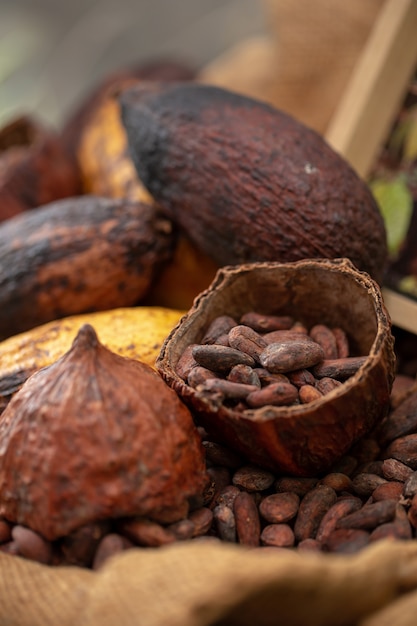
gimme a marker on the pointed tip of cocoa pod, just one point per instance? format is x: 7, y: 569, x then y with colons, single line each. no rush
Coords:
x: 86, y: 337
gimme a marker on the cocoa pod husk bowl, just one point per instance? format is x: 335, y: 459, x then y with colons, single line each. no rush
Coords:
x: 305, y: 439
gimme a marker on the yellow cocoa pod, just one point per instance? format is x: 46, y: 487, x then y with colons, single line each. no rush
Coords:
x: 135, y: 332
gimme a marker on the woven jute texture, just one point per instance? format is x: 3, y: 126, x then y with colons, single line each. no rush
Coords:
x: 304, y: 61
x: 202, y: 584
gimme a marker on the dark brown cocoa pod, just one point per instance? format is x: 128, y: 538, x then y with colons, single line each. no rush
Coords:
x: 77, y: 255
x: 35, y: 168
x: 182, y: 134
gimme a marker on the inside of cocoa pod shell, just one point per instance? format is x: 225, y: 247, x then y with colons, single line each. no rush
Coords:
x: 291, y: 434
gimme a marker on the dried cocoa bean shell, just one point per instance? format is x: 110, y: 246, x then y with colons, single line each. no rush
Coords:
x: 302, y: 439
x: 96, y: 436
x: 34, y: 167
x: 78, y: 255
x: 247, y: 182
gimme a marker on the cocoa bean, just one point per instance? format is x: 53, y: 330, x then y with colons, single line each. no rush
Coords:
x: 338, y: 368
x: 220, y: 477
x: 275, y: 394
x: 217, y: 454
x: 267, y: 378
x: 182, y: 530
x: 301, y: 377
x: 309, y: 545
x: 218, y: 327
x: 337, y: 481
x: 322, y: 335
x: 266, y: 323
x: 186, y: 362
x: 31, y: 545
x: 247, y: 340
x: 228, y: 389
x: 244, y: 374
x: 278, y: 336
x: 395, y: 470
x: 404, y: 449
x: 223, y: 340
x: 199, y: 375
x: 202, y: 519
x: 144, y: 532
x: 326, y: 384
x: 364, y: 484
x: 291, y: 355
x: 279, y: 508
x: 220, y: 358
x: 410, y: 486
x: 401, y: 387
x: 278, y: 535
x: 299, y: 485
x: 253, y: 478
x: 311, y: 511
x: 299, y: 327
x: 347, y: 540
x: 308, y: 393
x: 401, y: 421
x: 391, y: 490
x: 399, y: 528
x: 372, y: 467
x: 248, y: 525
x: 370, y: 515
x: 110, y: 545
x: 225, y: 523
x: 412, y: 512
x: 337, y: 511
x: 78, y: 547
x: 342, y: 343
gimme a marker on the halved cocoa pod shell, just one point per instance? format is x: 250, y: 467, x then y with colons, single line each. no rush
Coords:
x: 300, y: 439
x: 34, y: 167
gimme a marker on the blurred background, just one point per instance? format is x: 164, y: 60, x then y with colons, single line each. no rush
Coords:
x: 52, y: 52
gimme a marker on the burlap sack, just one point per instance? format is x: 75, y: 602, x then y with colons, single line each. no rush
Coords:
x: 303, y: 63
x: 202, y: 584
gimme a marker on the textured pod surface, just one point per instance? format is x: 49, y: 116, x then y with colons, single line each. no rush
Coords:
x: 77, y: 255
x: 304, y: 439
x: 34, y: 167
x: 246, y: 182
x: 95, y: 436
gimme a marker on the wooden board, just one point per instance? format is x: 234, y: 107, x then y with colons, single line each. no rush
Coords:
x: 375, y: 91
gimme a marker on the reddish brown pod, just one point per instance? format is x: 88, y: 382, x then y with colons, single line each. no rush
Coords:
x: 247, y: 182
x: 34, y: 167
x: 301, y: 439
x: 96, y: 436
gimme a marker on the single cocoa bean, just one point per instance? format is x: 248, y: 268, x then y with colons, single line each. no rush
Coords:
x: 395, y: 470
x: 278, y: 535
x: 217, y: 454
x: 182, y: 530
x: 220, y: 358
x: 347, y: 540
x: 218, y: 327
x: 410, y: 486
x: 364, y: 484
x: 279, y: 508
x: 31, y: 545
x: 400, y: 422
x: 248, y: 525
x: 337, y: 481
x: 247, y: 340
x: 311, y: 511
x: 267, y: 378
x: 110, y: 545
x: 143, y: 532
x: 291, y: 355
x: 323, y: 335
x: 228, y: 495
x: 309, y: 545
x: 253, y: 478
x: 244, y: 374
x: 228, y: 389
x: 399, y: 528
x: 225, y: 523
x: 278, y: 336
x: 404, y: 449
x: 199, y: 375
x: 338, y: 368
x: 370, y: 515
x: 342, y: 343
x: 301, y: 377
x: 299, y: 485
x: 266, y: 323
x: 202, y: 519
x: 326, y: 384
x: 391, y: 490
x: 275, y: 394
x: 337, y: 511
x: 186, y: 362
x: 308, y: 393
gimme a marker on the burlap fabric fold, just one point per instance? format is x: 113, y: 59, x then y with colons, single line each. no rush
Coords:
x: 202, y: 584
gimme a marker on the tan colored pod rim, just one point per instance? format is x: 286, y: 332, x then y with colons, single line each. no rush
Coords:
x: 301, y: 439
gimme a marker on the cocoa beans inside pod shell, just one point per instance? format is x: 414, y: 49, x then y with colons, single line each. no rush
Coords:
x: 78, y: 255
x: 35, y: 168
x: 247, y: 182
x: 96, y: 436
x: 301, y: 439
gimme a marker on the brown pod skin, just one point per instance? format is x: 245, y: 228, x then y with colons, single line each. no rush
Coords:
x: 246, y: 181
x: 77, y: 255
x: 96, y: 436
x: 34, y: 167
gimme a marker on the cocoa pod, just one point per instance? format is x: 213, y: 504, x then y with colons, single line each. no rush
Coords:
x: 77, y: 255
x: 180, y: 135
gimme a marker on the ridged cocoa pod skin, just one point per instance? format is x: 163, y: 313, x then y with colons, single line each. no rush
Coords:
x: 78, y: 255
x: 306, y: 439
x: 34, y: 167
x: 247, y: 182
x: 96, y: 436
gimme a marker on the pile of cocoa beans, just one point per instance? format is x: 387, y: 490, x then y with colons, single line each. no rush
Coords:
x: 369, y: 494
